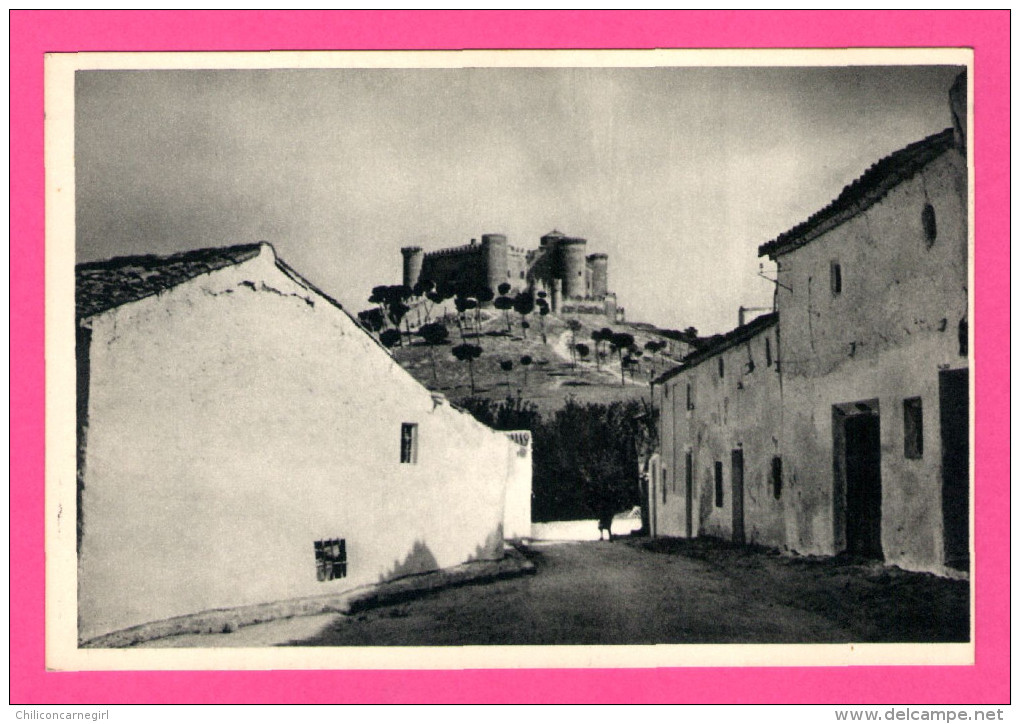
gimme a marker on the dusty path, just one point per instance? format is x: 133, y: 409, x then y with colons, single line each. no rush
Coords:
x: 635, y: 591
x: 588, y: 593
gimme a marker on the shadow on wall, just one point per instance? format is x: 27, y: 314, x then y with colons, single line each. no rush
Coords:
x: 492, y: 548
x: 418, y: 560
x: 421, y: 560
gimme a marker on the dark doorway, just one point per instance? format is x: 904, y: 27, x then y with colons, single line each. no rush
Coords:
x: 737, y: 503
x: 863, y: 466
x: 954, y: 420
x: 689, y: 493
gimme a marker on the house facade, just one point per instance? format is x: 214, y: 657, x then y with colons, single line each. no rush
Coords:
x: 242, y: 440
x: 872, y: 296
x: 857, y: 438
x: 718, y: 413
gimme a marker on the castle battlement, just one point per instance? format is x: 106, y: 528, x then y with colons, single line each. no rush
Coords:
x: 454, y: 251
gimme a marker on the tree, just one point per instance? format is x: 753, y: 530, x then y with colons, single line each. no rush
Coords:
x: 653, y: 347
x: 574, y: 326
x: 524, y: 304
x: 424, y: 290
x: 434, y: 334
x: 390, y: 337
x: 392, y: 304
x: 596, y: 338
x: 525, y: 363
x: 483, y: 295
x: 505, y: 303
x: 463, y: 303
x: 621, y: 341
x: 582, y: 350
x: 468, y: 353
x: 372, y: 320
x: 543, y: 311
x: 507, y: 365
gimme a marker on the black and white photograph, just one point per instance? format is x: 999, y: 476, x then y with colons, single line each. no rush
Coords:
x: 580, y: 358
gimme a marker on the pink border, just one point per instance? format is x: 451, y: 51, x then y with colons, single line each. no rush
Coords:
x: 33, y: 33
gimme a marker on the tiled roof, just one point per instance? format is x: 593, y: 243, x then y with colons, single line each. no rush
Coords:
x: 711, y: 346
x: 867, y: 190
x: 103, y: 285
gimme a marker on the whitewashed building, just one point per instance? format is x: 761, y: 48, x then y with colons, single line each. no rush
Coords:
x: 241, y: 439
x: 841, y: 423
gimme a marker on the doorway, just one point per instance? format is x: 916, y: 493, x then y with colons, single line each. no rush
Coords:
x: 737, y: 501
x: 954, y: 421
x: 689, y: 494
x: 858, y: 467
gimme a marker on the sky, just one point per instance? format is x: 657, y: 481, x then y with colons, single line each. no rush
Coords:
x: 679, y: 174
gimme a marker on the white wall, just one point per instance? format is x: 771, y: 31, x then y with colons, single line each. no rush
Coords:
x: 740, y: 410
x: 239, y: 417
x: 517, y: 513
x: 886, y: 336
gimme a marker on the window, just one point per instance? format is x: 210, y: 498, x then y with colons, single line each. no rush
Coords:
x: 330, y: 559
x: 961, y: 334
x: 722, y: 368
x: 928, y: 222
x: 690, y: 397
x: 913, y: 429
x: 409, y: 443
x: 777, y: 477
x: 664, y: 474
x: 835, y: 278
x: 522, y: 275
x: 768, y: 353
x: 718, y: 485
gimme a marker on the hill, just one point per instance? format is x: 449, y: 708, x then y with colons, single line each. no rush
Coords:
x: 551, y: 378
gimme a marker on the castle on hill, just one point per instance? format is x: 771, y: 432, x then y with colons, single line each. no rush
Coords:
x: 574, y: 280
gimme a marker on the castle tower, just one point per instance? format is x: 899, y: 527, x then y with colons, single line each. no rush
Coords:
x: 494, y: 254
x: 572, y: 266
x: 599, y: 264
x: 552, y: 238
x: 413, y: 259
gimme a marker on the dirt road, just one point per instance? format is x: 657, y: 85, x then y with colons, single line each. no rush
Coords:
x: 627, y: 593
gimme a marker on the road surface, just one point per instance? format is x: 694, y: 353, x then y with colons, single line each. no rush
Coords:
x: 634, y: 592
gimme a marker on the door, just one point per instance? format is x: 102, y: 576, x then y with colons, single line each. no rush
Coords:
x: 688, y: 494
x: 863, y: 485
x: 654, y: 478
x: 954, y: 421
x: 737, y: 500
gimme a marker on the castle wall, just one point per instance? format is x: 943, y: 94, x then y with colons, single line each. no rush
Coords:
x: 461, y: 265
x: 517, y: 268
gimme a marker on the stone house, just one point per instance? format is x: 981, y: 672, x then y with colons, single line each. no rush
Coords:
x: 718, y: 417
x: 862, y: 429
x: 242, y: 440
